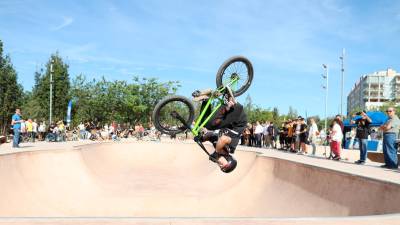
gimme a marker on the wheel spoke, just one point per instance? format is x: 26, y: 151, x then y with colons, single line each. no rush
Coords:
x: 238, y: 68
x: 170, y: 123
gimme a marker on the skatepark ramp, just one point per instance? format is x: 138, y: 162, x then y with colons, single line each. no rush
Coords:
x: 177, y: 180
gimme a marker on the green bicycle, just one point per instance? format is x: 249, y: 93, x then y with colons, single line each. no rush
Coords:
x: 175, y: 114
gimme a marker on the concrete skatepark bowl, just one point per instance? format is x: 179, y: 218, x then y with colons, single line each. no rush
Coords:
x: 174, y: 183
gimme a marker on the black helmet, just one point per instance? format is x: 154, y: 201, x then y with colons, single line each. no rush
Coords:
x: 230, y: 166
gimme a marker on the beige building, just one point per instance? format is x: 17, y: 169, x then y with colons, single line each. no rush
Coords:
x: 373, y: 90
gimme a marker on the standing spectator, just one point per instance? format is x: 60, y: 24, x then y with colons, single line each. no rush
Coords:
x: 271, y: 135
x: 336, y: 138
x: 34, y: 130
x: 61, y: 130
x: 341, y: 124
x: 22, y: 137
x: 390, y: 132
x: 289, y: 136
x: 87, y: 130
x: 312, y: 135
x: 258, y: 132
x: 303, y: 135
x: 282, y: 136
x: 252, y: 137
x: 82, y: 131
x: 16, y: 121
x: 297, y: 127
x: 362, y: 132
x: 42, y: 130
x: 265, y: 134
x: 55, y: 132
x: 246, y: 135
x: 29, y: 129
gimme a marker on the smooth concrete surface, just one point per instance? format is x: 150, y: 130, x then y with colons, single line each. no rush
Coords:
x: 174, y: 183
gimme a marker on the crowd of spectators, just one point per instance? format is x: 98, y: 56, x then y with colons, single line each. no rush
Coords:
x: 293, y: 135
x: 31, y: 130
x: 296, y: 136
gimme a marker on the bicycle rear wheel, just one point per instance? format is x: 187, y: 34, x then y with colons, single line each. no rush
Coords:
x: 236, y: 67
x: 168, y: 124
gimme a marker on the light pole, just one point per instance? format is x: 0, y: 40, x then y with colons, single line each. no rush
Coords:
x: 341, y: 90
x: 51, y: 93
x: 326, y: 77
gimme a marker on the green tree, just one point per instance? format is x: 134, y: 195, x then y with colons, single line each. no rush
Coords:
x: 275, y: 114
x: 105, y: 101
x: 39, y: 103
x: 11, y: 92
x: 248, y: 104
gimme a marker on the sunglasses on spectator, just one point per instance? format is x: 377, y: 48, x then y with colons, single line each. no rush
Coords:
x: 389, y: 110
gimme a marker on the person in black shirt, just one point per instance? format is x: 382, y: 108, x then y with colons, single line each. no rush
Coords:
x: 362, y: 133
x: 303, y: 136
x: 231, y: 121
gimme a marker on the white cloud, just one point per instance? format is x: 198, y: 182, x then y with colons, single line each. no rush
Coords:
x: 66, y: 22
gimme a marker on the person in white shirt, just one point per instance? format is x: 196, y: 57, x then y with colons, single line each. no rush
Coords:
x: 336, y: 139
x: 41, y: 130
x: 312, y: 135
x: 82, y: 131
x: 34, y: 130
x: 258, y: 133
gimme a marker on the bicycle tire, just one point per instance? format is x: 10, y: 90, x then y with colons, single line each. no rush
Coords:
x: 156, y: 116
x: 226, y: 64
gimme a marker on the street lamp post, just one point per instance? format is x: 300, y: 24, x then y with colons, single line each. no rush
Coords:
x: 342, y: 80
x: 51, y: 93
x: 326, y: 77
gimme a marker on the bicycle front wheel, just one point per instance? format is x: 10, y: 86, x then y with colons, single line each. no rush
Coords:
x: 236, y: 67
x: 163, y: 119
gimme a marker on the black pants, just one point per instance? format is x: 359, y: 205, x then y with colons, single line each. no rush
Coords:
x: 258, y: 140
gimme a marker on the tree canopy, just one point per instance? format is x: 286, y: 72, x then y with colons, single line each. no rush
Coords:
x: 10, y: 91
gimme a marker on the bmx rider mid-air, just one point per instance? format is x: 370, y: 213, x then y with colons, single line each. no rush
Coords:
x: 230, y: 120
x: 221, y: 119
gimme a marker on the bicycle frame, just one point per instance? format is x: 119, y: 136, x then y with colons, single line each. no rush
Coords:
x: 217, y: 95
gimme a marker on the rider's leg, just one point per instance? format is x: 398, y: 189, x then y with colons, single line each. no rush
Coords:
x: 222, y: 142
x: 220, y: 149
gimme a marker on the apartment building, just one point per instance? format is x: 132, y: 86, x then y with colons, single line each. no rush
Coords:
x: 373, y: 90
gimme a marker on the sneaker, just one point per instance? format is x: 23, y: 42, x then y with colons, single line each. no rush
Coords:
x: 384, y: 166
x: 359, y: 162
x: 337, y: 158
x: 392, y: 167
x: 214, y: 157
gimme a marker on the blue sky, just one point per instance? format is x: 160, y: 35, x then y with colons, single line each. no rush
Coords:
x: 287, y: 41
